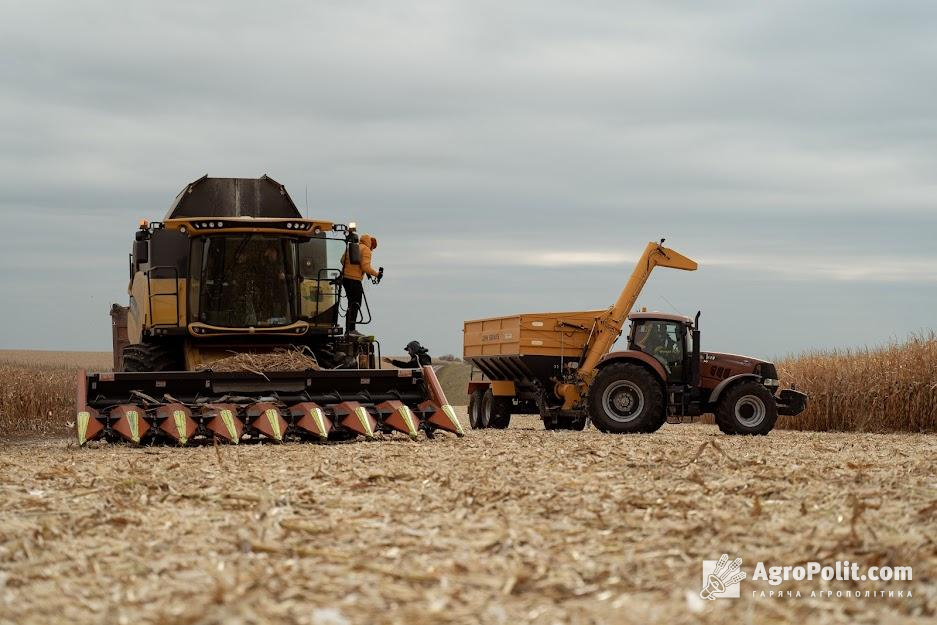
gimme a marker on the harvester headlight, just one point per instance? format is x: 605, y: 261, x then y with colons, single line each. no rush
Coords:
x: 317, y: 230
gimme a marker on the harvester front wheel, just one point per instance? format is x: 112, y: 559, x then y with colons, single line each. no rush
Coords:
x: 626, y: 398
x: 142, y: 358
x: 474, y: 410
x: 747, y: 408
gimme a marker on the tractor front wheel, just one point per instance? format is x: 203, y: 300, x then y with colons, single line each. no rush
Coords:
x: 747, y: 408
x: 626, y: 398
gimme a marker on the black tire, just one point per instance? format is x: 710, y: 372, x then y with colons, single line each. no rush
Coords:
x: 747, y: 408
x: 626, y: 398
x: 725, y: 428
x: 495, y: 410
x: 144, y: 358
x: 474, y: 407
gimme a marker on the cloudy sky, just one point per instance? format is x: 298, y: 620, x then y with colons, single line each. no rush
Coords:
x: 510, y: 156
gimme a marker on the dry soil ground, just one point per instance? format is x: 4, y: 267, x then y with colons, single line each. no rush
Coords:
x: 505, y: 527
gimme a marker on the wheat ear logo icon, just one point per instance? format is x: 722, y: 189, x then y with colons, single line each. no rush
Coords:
x: 722, y: 577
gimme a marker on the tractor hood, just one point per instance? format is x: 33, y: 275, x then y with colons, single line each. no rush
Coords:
x: 719, y: 365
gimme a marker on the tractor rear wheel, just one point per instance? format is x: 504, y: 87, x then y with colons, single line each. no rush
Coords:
x: 142, y: 357
x: 474, y: 410
x: 626, y: 398
x: 747, y: 408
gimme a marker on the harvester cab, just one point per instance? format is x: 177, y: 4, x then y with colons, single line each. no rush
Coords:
x: 234, y: 269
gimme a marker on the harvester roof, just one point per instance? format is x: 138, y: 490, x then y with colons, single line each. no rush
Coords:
x: 233, y: 197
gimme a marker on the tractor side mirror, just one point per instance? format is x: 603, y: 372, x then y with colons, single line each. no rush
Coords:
x: 695, y: 358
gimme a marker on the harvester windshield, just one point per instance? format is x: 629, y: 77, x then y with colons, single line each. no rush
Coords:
x: 243, y: 281
x: 262, y: 281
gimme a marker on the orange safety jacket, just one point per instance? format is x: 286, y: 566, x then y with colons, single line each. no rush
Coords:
x: 356, y: 272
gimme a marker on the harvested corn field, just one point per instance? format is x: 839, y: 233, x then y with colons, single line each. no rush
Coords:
x: 512, y: 526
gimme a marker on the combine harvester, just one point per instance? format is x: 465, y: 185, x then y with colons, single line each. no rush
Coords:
x: 234, y: 268
x: 559, y: 365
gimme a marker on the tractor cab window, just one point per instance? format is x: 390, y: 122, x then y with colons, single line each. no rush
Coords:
x: 664, y: 340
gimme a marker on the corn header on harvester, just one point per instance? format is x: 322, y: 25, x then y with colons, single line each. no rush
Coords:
x: 234, y: 268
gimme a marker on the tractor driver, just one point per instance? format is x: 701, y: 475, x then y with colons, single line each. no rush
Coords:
x: 353, y: 274
x: 653, y: 339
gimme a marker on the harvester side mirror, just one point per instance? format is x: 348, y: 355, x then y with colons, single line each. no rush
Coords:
x: 141, y: 252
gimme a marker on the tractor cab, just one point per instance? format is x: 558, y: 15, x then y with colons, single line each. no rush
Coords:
x: 673, y: 340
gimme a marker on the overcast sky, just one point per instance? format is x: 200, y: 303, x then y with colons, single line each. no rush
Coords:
x: 510, y: 156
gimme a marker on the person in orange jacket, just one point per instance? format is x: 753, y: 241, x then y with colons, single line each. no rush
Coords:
x: 353, y: 274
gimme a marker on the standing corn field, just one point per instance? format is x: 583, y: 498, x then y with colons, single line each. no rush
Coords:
x: 885, y: 389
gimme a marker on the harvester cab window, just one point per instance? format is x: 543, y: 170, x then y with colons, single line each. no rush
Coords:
x: 244, y: 281
x: 319, y: 265
x: 664, y: 340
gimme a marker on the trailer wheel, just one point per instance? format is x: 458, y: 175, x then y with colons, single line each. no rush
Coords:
x: 496, y: 410
x: 474, y: 410
x: 747, y: 408
x: 141, y: 357
x: 626, y: 398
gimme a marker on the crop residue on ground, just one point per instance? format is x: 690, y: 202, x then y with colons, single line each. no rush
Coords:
x: 512, y: 526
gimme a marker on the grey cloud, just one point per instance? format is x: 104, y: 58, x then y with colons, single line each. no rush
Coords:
x: 774, y: 138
